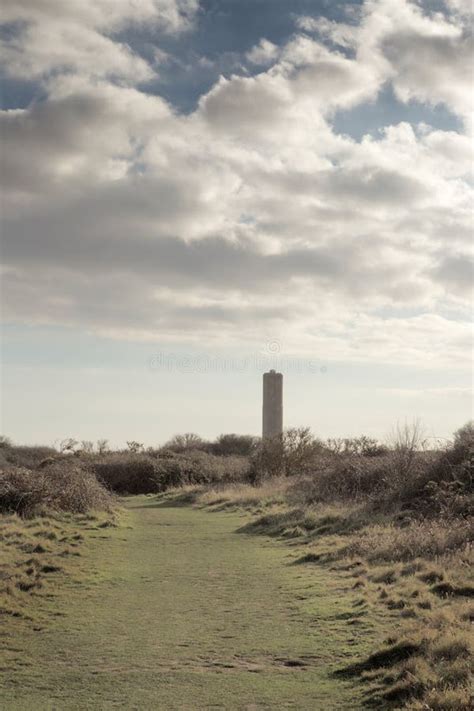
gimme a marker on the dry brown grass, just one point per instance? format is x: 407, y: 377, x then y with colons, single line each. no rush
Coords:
x: 36, y: 553
x: 40, y: 513
x: 415, y: 570
x: 270, y: 492
x: 449, y: 699
x: 429, y: 659
x: 26, y: 562
x: 426, y: 539
x: 437, y: 675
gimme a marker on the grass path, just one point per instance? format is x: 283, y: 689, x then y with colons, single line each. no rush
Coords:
x: 178, y: 611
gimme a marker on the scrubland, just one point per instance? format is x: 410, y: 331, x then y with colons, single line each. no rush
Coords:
x: 398, y: 521
x: 45, y: 516
x: 394, y: 520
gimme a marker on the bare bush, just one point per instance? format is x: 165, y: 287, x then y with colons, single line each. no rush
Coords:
x: 63, y: 486
x: 24, y: 456
x: 464, y: 436
x: 406, y: 477
x: 135, y: 447
x: 365, y: 446
x: 267, y: 460
x: 348, y: 478
x: 125, y: 473
x: 300, y: 451
x: 234, y: 444
x: 295, y: 452
x: 405, y: 442
x: 68, y: 445
x: 102, y: 446
x: 87, y: 447
x: 145, y: 473
x: 186, y: 442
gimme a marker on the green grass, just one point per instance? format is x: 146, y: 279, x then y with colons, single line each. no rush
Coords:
x: 176, y: 610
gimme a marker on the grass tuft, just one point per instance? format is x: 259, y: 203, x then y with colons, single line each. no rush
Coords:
x: 447, y: 589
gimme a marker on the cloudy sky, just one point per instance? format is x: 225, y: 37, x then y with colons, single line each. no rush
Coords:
x: 196, y: 190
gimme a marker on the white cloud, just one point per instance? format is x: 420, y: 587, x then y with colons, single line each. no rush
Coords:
x: 87, y: 132
x: 104, y: 14
x: 249, y: 216
x: 77, y: 36
x: 426, y: 56
x: 264, y: 53
x: 341, y: 34
x: 464, y: 7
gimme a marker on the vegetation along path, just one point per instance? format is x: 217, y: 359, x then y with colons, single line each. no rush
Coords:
x: 179, y: 610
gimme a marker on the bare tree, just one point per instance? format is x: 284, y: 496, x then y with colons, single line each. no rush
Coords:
x: 292, y: 453
x: 68, y: 445
x: 406, y: 441
x: 299, y: 448
x: 464, y: 436
x: 183, y: 442
x: 365, y: 446
x: 135, y: 447
x: 102, y: 446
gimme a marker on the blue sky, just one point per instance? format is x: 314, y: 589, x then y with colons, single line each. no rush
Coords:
x: 202, y: 179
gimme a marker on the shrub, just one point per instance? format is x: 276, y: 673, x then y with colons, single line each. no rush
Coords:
x: 62, y: 486
x: 234, y: 444
x: 267, y: 460
x: 464, y: 436
x: 68, y: 445
x: 442, y: 481
x: 134, y: 447
x: 353, y: 477
x: 301, y: 451
x: 295, y: 452
x: 192, y: 468
x: 126, y: 473
x: 24, y: 456
x: 186, y: 442
x: 87, y: 447
x: 147, y: 473
x: 225, y: 445
x: 366, y: 446
x: 102, y: 446
x: 407, y: 440
x: 427, y: 484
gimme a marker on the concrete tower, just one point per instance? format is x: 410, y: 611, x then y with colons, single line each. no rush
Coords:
x: 272, y: 421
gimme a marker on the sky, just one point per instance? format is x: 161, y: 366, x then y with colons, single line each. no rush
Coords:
x: 195, y: 191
